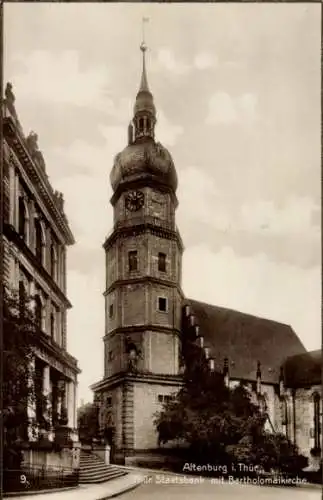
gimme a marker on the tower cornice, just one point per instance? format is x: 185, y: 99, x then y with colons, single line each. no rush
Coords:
x: 143, y: 280
x: 144, y: 224
x: 124, y: 330
x: 147, y: 378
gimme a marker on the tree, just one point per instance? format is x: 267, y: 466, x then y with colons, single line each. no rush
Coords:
x: 19, y: 376
x: 218, y: 423
x: 88, y: 424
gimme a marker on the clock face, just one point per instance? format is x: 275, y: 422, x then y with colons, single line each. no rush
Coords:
x: 135, y: 200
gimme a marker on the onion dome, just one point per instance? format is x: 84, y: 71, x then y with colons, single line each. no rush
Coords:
x: 143, y: 158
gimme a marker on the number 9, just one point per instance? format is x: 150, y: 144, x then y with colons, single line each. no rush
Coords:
x: 23, y: 479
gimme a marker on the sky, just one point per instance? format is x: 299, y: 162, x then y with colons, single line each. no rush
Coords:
x: 237, y: 91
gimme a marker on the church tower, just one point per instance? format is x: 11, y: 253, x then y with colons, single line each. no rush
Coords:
x: 143, y: 295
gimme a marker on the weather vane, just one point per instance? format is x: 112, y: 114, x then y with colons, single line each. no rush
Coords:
x: 143, y: 45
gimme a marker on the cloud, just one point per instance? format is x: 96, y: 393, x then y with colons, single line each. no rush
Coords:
x: 285, y: 233
x: 166, y: 132
x: 59, y: 78
x: 86, y: 197
x: 198, y: 197
x: 88, y: 157
x: 295, y: 217
x: 167, y: 61
x: 223, y: 108
x: 204, y: 60
x: 87, y: 189
x: 257, y: 286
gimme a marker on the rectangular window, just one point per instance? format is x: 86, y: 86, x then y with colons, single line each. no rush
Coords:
x: 162, y: 304
x: 166, y: 398
x: 110, y: 357
x: 162, y: 262
x: 133, y: 260
x: 111, y: 311
x: 52, y: 326
x: 109, y: 401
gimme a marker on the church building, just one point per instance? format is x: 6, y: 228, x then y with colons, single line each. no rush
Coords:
x: 147, y: 313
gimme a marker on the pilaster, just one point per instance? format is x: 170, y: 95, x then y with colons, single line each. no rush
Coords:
x: 11, y: 194
x: 128, y: 417
x: 63, y: 329
x: 16, y: 201
x: 75, y: 404
x: 70, y: 403
x: 47, y: 392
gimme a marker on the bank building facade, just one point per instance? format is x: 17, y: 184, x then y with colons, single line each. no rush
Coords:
x: 146, y: 314
x: 36, y: 236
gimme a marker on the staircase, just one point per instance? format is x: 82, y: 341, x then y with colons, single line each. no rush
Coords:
x: 94, y: 470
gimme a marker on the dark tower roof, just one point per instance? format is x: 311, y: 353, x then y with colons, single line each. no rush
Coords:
x: 143, y: 158
x: 303, y: 369
x: 144, y: 100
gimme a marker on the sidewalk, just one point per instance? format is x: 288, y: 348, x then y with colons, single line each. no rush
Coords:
x: 101, y: 491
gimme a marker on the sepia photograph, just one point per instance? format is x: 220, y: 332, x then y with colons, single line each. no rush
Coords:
x: 161, y: 212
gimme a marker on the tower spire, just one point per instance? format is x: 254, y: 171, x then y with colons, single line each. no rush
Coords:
x: 144, y: 110
x: 143, y: 47
x: 144, y: 82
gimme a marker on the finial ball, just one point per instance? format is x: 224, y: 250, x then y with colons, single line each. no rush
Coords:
x: 143, y: 47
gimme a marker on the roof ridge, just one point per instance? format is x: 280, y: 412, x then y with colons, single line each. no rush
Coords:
x: 224, y: 308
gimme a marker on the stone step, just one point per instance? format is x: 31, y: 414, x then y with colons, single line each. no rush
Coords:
x: 91, y: 460
x: 94, y: 470
x: 94, y: 474
x: 100, y: 478
x: 106, y: 470
x: 98, y: 467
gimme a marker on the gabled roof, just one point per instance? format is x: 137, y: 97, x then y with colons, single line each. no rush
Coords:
x: 245, y: 339
x: 303, y: 369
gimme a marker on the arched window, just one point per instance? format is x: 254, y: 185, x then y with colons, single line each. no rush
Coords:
x: 162, y: 262
x: 141, y: 124
x: 133, y: 260
x: 38, y: 312
x: 284, y: 415
x: 317, y: 426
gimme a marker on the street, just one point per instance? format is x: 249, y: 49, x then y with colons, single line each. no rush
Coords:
x: 162, y: 486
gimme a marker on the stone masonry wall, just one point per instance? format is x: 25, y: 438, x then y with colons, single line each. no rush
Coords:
x: 305, y: 418
x: 146, y: 404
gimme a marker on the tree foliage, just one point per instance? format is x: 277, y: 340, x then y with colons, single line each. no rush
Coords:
x: 19, y: 391
x: 88, y: 422
x: 219, y: 423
